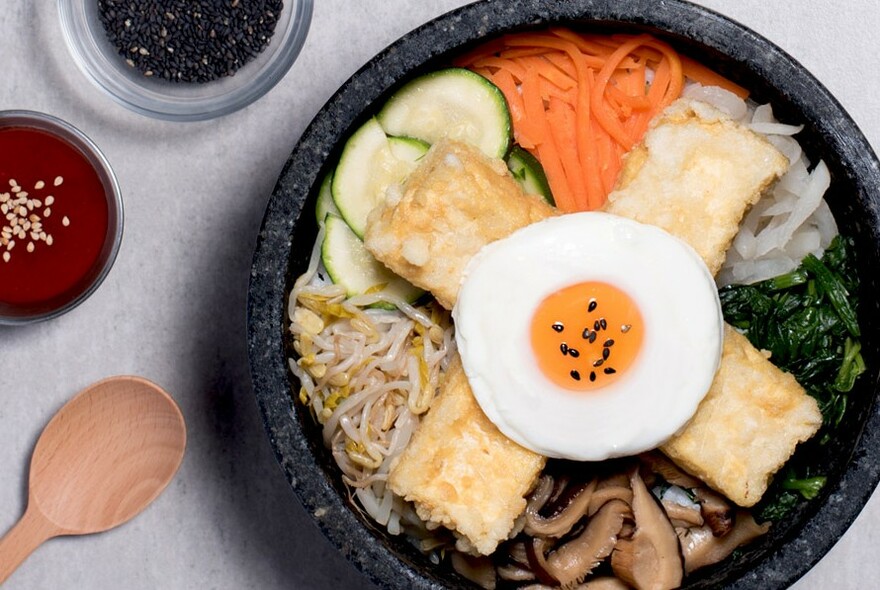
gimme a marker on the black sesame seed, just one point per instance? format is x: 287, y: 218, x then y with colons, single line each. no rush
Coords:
x: 598, y: 362
x: 609, y: 371
x: 563, y: 348
x: 609, y: 342
x: 574, y: 353
x: 592, y: 306
x: 603, y: 323
x: 586, y: 334
x: 172, y: 38
x: 596, y: 326
x: 592, y: 375
x: 558, y: 327
x: 606, y: 352
x: 592, y: 337
x: 575, y: 375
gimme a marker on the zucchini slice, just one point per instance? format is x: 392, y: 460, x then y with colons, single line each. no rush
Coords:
x: 529, y: 173
x: 325, y: 204
x: 367, y: 167
x: 351, y: 265
x: 454, y: 103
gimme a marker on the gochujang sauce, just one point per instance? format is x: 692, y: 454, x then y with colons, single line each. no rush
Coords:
x: 54, y: 218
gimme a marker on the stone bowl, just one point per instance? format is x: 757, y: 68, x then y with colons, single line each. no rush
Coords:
x: 851, y: 461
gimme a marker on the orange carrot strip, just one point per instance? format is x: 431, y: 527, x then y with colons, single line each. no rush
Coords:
x: 501, y: 64
x: 561, y: 119
x: 547, y: 153
x: 551, y: 42
x: 547, y: 71
x: 697, y: 72
x: 479, y: 52
x: 601, y: 109
x: 523, y: 128
x: 587, y: 147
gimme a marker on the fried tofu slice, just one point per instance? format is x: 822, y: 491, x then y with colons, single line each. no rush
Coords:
x: 747, y: 426
x: 461, y: 472
x: 695, y: 174
x: 457, y: 201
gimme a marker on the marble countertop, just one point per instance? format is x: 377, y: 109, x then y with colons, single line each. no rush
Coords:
x: 173, y: 307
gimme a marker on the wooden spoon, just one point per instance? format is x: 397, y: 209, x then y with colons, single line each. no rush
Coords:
x: 100, y: 461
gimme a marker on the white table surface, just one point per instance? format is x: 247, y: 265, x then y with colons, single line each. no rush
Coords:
x: 173, y: 308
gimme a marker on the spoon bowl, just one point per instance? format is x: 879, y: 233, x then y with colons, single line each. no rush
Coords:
x: 103, y: 458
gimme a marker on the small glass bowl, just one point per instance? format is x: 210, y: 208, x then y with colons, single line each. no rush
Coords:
x: 13, y: 314
x: 99, y: 59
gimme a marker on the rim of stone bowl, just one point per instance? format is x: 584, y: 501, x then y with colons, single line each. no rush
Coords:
x: 283, y: 246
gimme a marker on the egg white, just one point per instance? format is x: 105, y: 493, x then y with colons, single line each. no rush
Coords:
x: 507, y: 280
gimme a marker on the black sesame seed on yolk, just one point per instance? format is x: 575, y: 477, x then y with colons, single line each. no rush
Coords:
x: 583, y: 327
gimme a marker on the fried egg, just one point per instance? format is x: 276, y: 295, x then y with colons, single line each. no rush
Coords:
x: 588, y: 336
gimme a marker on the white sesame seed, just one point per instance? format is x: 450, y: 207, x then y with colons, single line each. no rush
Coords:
x: 22, y: 210
x: 33, y: 217
x: 49, y: 200
x: 49, y: 240
x: 4, y: 197
x: 35, y: 236
x: 10, y: 245
x: 30, y: 205
x: 6, y: 257
x: 38, y: 203
x: 23, y: 194
x: 47, y: 212
x: 65, y: 222
x: 4, y: 208
x: 43, y: 236
x: 13, y: 182
x: 16, y: 188
x: 40, y: 184
x: 30, y: 247
x: 58, y: 180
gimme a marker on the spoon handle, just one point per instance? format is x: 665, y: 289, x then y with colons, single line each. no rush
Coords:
x: 21, y: 540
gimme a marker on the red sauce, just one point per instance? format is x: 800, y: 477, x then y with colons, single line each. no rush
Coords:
x: 74, y: 221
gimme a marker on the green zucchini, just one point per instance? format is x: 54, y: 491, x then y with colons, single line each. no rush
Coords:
x: 367, y: 167
x: 529, y: 173
x: 325, y: 204
x: 351, y: 265
x: 452, y: 103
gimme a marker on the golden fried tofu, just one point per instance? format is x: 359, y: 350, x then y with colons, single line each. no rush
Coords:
x: 457, y: 201
x: 695, y: 175
x: 461, y: 472
x: 747, y: 426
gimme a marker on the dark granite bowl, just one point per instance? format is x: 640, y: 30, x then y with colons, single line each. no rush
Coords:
x: 851, y: 461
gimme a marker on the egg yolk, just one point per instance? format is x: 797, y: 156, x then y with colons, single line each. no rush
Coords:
x: 586, y: 335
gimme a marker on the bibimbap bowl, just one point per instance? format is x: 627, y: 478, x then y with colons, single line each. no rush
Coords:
x: 850, y: 460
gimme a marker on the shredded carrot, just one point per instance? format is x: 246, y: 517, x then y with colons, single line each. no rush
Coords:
x: 580, y: 102
x: 697, y: 72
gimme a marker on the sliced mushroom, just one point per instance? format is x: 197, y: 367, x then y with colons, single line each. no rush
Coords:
x: 614, y: 487
x: 701, y: 547
x: 660, y: 464
x: 572, y: 506
x: 682, y: 516
x: 514, y: 572
x: 574, y: 560
x: 535, y: 550
x: 604, y: 583
x: 716, y: 510
x: 650, y: 559
x: 478, y: 570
